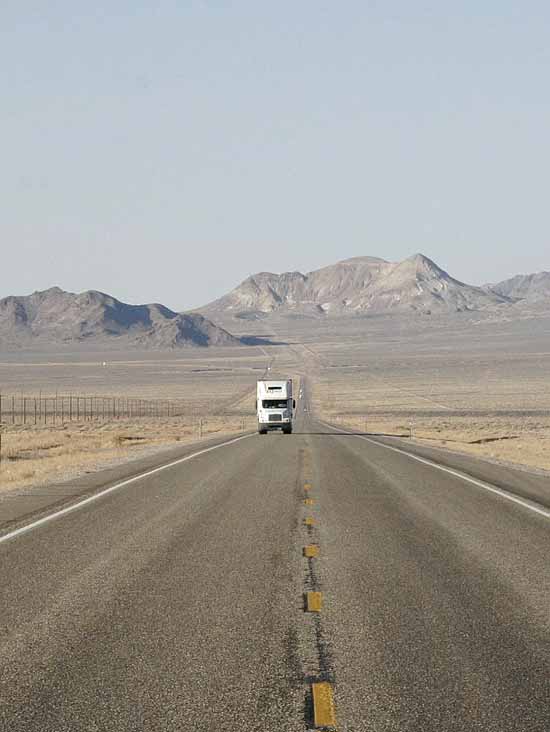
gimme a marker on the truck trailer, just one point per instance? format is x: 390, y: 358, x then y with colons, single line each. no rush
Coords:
x: 275, y: 406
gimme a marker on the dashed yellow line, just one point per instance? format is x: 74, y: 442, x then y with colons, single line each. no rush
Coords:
x: 324, y: 712
x: 314, y: 602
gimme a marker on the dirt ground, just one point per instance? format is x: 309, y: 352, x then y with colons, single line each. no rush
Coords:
x: 215, y: 388
x: 467, y: 383
x: 483, y: 392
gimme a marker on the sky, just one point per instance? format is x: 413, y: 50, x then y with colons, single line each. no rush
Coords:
x: 163, y: 152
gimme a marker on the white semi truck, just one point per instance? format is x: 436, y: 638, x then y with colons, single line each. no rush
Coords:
x: 275, y: 406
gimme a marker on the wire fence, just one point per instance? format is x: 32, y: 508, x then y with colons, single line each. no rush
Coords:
x: 61, y: 409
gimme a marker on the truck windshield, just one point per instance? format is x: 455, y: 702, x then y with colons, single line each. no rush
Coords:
x: 274, y: 403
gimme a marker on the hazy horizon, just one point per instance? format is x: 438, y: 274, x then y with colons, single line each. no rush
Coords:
x: 164, y: 154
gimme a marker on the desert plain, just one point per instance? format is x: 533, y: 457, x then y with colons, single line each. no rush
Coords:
x: 467, y: 383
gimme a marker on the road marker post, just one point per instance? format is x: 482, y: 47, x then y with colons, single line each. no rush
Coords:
x: 309, y: 501
x: 311, y: 550
x: 309, y: 521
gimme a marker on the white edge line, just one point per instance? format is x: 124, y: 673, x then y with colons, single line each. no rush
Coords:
x: 456, y: 473
x: 115, y: 487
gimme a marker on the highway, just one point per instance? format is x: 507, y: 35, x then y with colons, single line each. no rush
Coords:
x: 178, y: 600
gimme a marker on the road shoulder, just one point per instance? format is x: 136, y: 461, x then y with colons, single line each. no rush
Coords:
x: 21, y: 506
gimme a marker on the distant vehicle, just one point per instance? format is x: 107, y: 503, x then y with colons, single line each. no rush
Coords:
x: 275, y: 405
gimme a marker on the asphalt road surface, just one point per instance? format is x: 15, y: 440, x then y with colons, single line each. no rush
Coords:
x: 178, y: 601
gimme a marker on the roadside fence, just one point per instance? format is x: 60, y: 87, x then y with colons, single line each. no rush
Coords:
x: 60, y: 409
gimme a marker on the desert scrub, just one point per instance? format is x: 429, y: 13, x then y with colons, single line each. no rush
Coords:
x: 37, y: 456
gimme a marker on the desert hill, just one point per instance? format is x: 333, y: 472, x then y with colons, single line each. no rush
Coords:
x: 529, y: 288
x: 355, y: 286
x: 55, y: 316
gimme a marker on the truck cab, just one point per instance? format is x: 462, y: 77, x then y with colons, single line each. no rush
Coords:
x: 275, y: 406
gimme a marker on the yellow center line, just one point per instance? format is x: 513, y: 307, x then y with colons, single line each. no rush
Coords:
x: 324, y: 713
x: 314, y: 602
x: 311, y: 550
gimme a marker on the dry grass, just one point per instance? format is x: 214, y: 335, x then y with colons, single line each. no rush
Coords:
x: 516, y: 441
x: 36, y: 456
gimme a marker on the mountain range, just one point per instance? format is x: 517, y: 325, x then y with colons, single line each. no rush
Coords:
x: 55, y: 316
x: 358, y: 286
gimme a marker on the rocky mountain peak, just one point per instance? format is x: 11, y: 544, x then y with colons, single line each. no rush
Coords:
x: 355, y: 286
